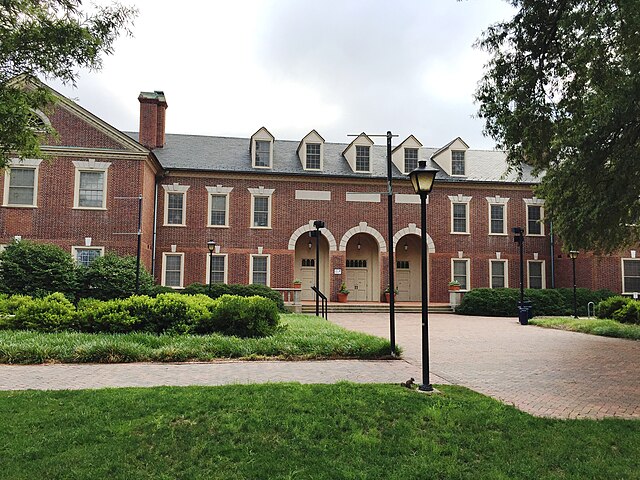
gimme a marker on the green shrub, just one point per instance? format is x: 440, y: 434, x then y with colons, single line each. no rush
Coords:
x: 113, y: 276
x: 607, y: 307
x: 242, y: 316
x: 37, y: 269
x: 175, y: 313
x: 498, y: 302
x: 219, y: 289
x: 9, y: 304
x: 53, y: 313
x: 629, y: 313
x: 110, y: 316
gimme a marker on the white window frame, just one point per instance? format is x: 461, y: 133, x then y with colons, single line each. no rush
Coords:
x: 404, y: 159
x: 622, y: 260
x: 255, y: 149
x: 26, y: 164
x: 534, y: 202
x: 460, y: 199
x: 74, y: 251
x: 164, y: 268
x: 90, y: 166
x: 468, y: 272
x: 506, y: 272
x: 355, y: 163
x: 500, y: 202
x: 226, y: 267
x: 221, y: 191
x: 176, y: 189
x: 543, y: 273
x: 268, y: 257
x: 306, y: 155
x: 261, y: 192
x: 464, y: 159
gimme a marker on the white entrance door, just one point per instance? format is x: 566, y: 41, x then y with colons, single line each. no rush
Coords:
x: 358, y: 284
x: 308, y: 277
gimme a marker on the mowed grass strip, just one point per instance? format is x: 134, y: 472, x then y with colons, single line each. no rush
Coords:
x: 282, y: 431
x: 305, y: 337
x: 605, y: 328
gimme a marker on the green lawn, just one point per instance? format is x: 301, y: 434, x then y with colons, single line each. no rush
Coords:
x: 305, y: 337
x: 607, y: 328
x: 292, y: 431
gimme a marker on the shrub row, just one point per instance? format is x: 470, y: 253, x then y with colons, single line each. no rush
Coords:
x: 503, y: 302
x: 621, y: 309
x: 219, y: 289
x: 167, y: 313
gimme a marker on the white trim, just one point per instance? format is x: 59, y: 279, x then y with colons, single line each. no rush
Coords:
x: 506, y: 271
x: 464, y: 154
x: 261, y: 192
x: 164, y: 268
x: 333, y: 246
x: 622, y: 260
x: 543, y: 272
x: 362, y: 197
x: 226, y: 266
x: 468, y: 272
x: 252, y: 256
x: 74, y: 251
x: 90, y: 166
x: 534, y: 202
x: 412, y: 229
x: 27, y: 163
x: 466, y: 200
x: 322, y: 195
x: 179, y: 190
x: 253, y: 153
x: 363, y: 227
x: 409, y: 198
x: 501, y: 202
x: 221, y: 191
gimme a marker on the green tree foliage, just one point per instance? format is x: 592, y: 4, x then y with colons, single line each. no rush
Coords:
x: 562, y: 93
x: 113, y: 276
x: 37, y: 269
x: 49, y: 38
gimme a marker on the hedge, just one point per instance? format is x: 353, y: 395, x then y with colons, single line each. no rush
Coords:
x: 503, y: 302
x: 171, y: 313
x: 219, y: 289
x: 621, y: 309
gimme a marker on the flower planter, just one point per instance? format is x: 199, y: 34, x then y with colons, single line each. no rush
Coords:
x: 454, y: 288
x: 297, y: 285
x: 342, y: 297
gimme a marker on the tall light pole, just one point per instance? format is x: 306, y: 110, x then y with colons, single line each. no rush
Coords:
x: 211, y: 245
x: 422, y: 180
x: 523, y: 313
x: 318, y: 224
x: 573, y: 254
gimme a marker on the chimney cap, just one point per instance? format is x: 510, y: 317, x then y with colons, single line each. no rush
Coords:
x: 152, y: 97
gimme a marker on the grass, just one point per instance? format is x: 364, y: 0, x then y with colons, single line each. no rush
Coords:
x: 606, y: 328
x: 305, y: 337
x: 287, y: 431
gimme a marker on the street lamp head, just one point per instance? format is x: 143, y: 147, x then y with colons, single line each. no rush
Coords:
x: 422, y: 178
x: 573, y: 254
x: 318, y: 224
x: 211, y: 245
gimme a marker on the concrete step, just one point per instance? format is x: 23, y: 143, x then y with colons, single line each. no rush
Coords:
x: 376, y: 308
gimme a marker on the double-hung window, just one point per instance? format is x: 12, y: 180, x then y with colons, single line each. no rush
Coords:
x: 260, y: 269
x: 261, y: 207
x: 497, y: 226
x: 175, y: 203
x: 313, y: 156
x: 217, y: 269
x: 362, y: 158
x: 410, y: 159
x: 499, y: 274
x: 21, y: 183
x: 460, y: 272
x: 630, y: 275
x: 457, y: 162
x: 218, y: 210
x: 263, y: 153
x: 535, y: 216
x: 90, y: 184
x: 536, y: 273
x: 459, y: 213
x: 173, y: 269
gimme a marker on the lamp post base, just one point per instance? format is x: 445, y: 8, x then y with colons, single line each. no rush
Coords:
x: 425, y: 387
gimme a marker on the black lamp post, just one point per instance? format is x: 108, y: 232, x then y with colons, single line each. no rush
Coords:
x: 211, y: 245
x: 318, y: 224
x: 422, y: 180
x: 518, y: 237
x: 573, y: 254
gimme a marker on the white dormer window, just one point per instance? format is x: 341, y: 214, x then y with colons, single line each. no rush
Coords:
x: 410, y: 159
x: 363, y: 163
x: 262, y: 149
x: 457, y: 162
x: 406, y: 155
x: 313, y: 156
x: 311, y: 150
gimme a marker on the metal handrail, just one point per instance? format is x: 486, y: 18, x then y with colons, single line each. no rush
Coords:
x: 324, y: 302
x: 591, y: 309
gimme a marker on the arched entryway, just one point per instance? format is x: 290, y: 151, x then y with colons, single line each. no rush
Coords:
x: 362, y: 268
x: 408, y: 266
x: 305, y: 266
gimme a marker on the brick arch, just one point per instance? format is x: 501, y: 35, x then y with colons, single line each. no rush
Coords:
x: 412, y: 229
x: 333, y: 246
x: 363, y: 228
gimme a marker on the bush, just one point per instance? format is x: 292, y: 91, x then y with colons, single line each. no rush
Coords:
x: 606, y: 308
x: 53, y: 313
x: 503, y: 302
x: 110, y: 316
x: 37, y: 269
x: 630, y: 313
x: 219, y: 289
x: 243, y: 317
x: 112, y: 276
x: 9, y: 304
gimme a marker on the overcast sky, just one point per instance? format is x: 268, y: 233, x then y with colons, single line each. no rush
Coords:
x: 338, y: 66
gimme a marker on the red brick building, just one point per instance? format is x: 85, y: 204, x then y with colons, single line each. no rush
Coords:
x: 257, y: 198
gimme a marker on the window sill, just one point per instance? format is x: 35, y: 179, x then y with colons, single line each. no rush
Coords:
x: 20, y: 206
x: 260, y: 228
x: 534, y: 235
x: 174, y: 225
x: 498, y: 234
x: 90, y: 208
x: 218, y: 226
x: 263, y: 167
x: 460, y: 233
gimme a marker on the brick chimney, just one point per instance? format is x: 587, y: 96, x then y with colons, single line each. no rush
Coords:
x: 153, y: 108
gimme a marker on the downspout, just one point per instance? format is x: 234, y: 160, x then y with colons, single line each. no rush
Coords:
x: 159, y: 178
x: 553, y: 256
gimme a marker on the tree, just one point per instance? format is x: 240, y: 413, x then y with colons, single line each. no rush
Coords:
x: 51, y: 38
x: 113, y: 276
x: 37, y: 269
x: 561, y: 93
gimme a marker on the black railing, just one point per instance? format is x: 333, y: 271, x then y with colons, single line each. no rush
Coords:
x: 324, y: 301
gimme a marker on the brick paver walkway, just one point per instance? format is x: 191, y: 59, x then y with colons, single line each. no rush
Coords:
x: 543, y: 372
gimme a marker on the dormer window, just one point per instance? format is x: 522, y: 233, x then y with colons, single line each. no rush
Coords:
x: 313, y: 156
x: 263, y: 153
x: 410, y: 159
x: 362, y: 158
x: 261, y: 149
x: 457, y: 162
x: 310, y: 151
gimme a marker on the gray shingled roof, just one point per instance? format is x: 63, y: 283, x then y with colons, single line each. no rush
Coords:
x: 228, y: 154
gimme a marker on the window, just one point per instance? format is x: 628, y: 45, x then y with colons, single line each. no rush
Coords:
x: 460, y: 272
x: 535, y: 216
x: 410, y: 159
x: 362, y: 158
x: 457, y: 162
x: 261, y: 207
x: 21, y: 183
x: 218, y: 215
x: 402, y: 264
x: 630, y: 275
x: 260, y: 269
x: 217, y: 268
x: 308, y: 262
x: 356, y: 263
x: 460, y: 217
x: 263, y: 153
x: 313, y: 156
x: 497, y: 224
x: 90, y: 184
x: 175, y: 204
x: 172, y: 272
x: 536, y: 273
x: 85, y: 255
x: 499, y: 274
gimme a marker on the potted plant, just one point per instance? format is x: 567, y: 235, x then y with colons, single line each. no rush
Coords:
x: 387, y: 293
x: 342, y: 293
x: 454, y: 286
x: 297, y: 283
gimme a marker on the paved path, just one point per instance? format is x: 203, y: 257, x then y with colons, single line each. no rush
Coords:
x: 543, y: 372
